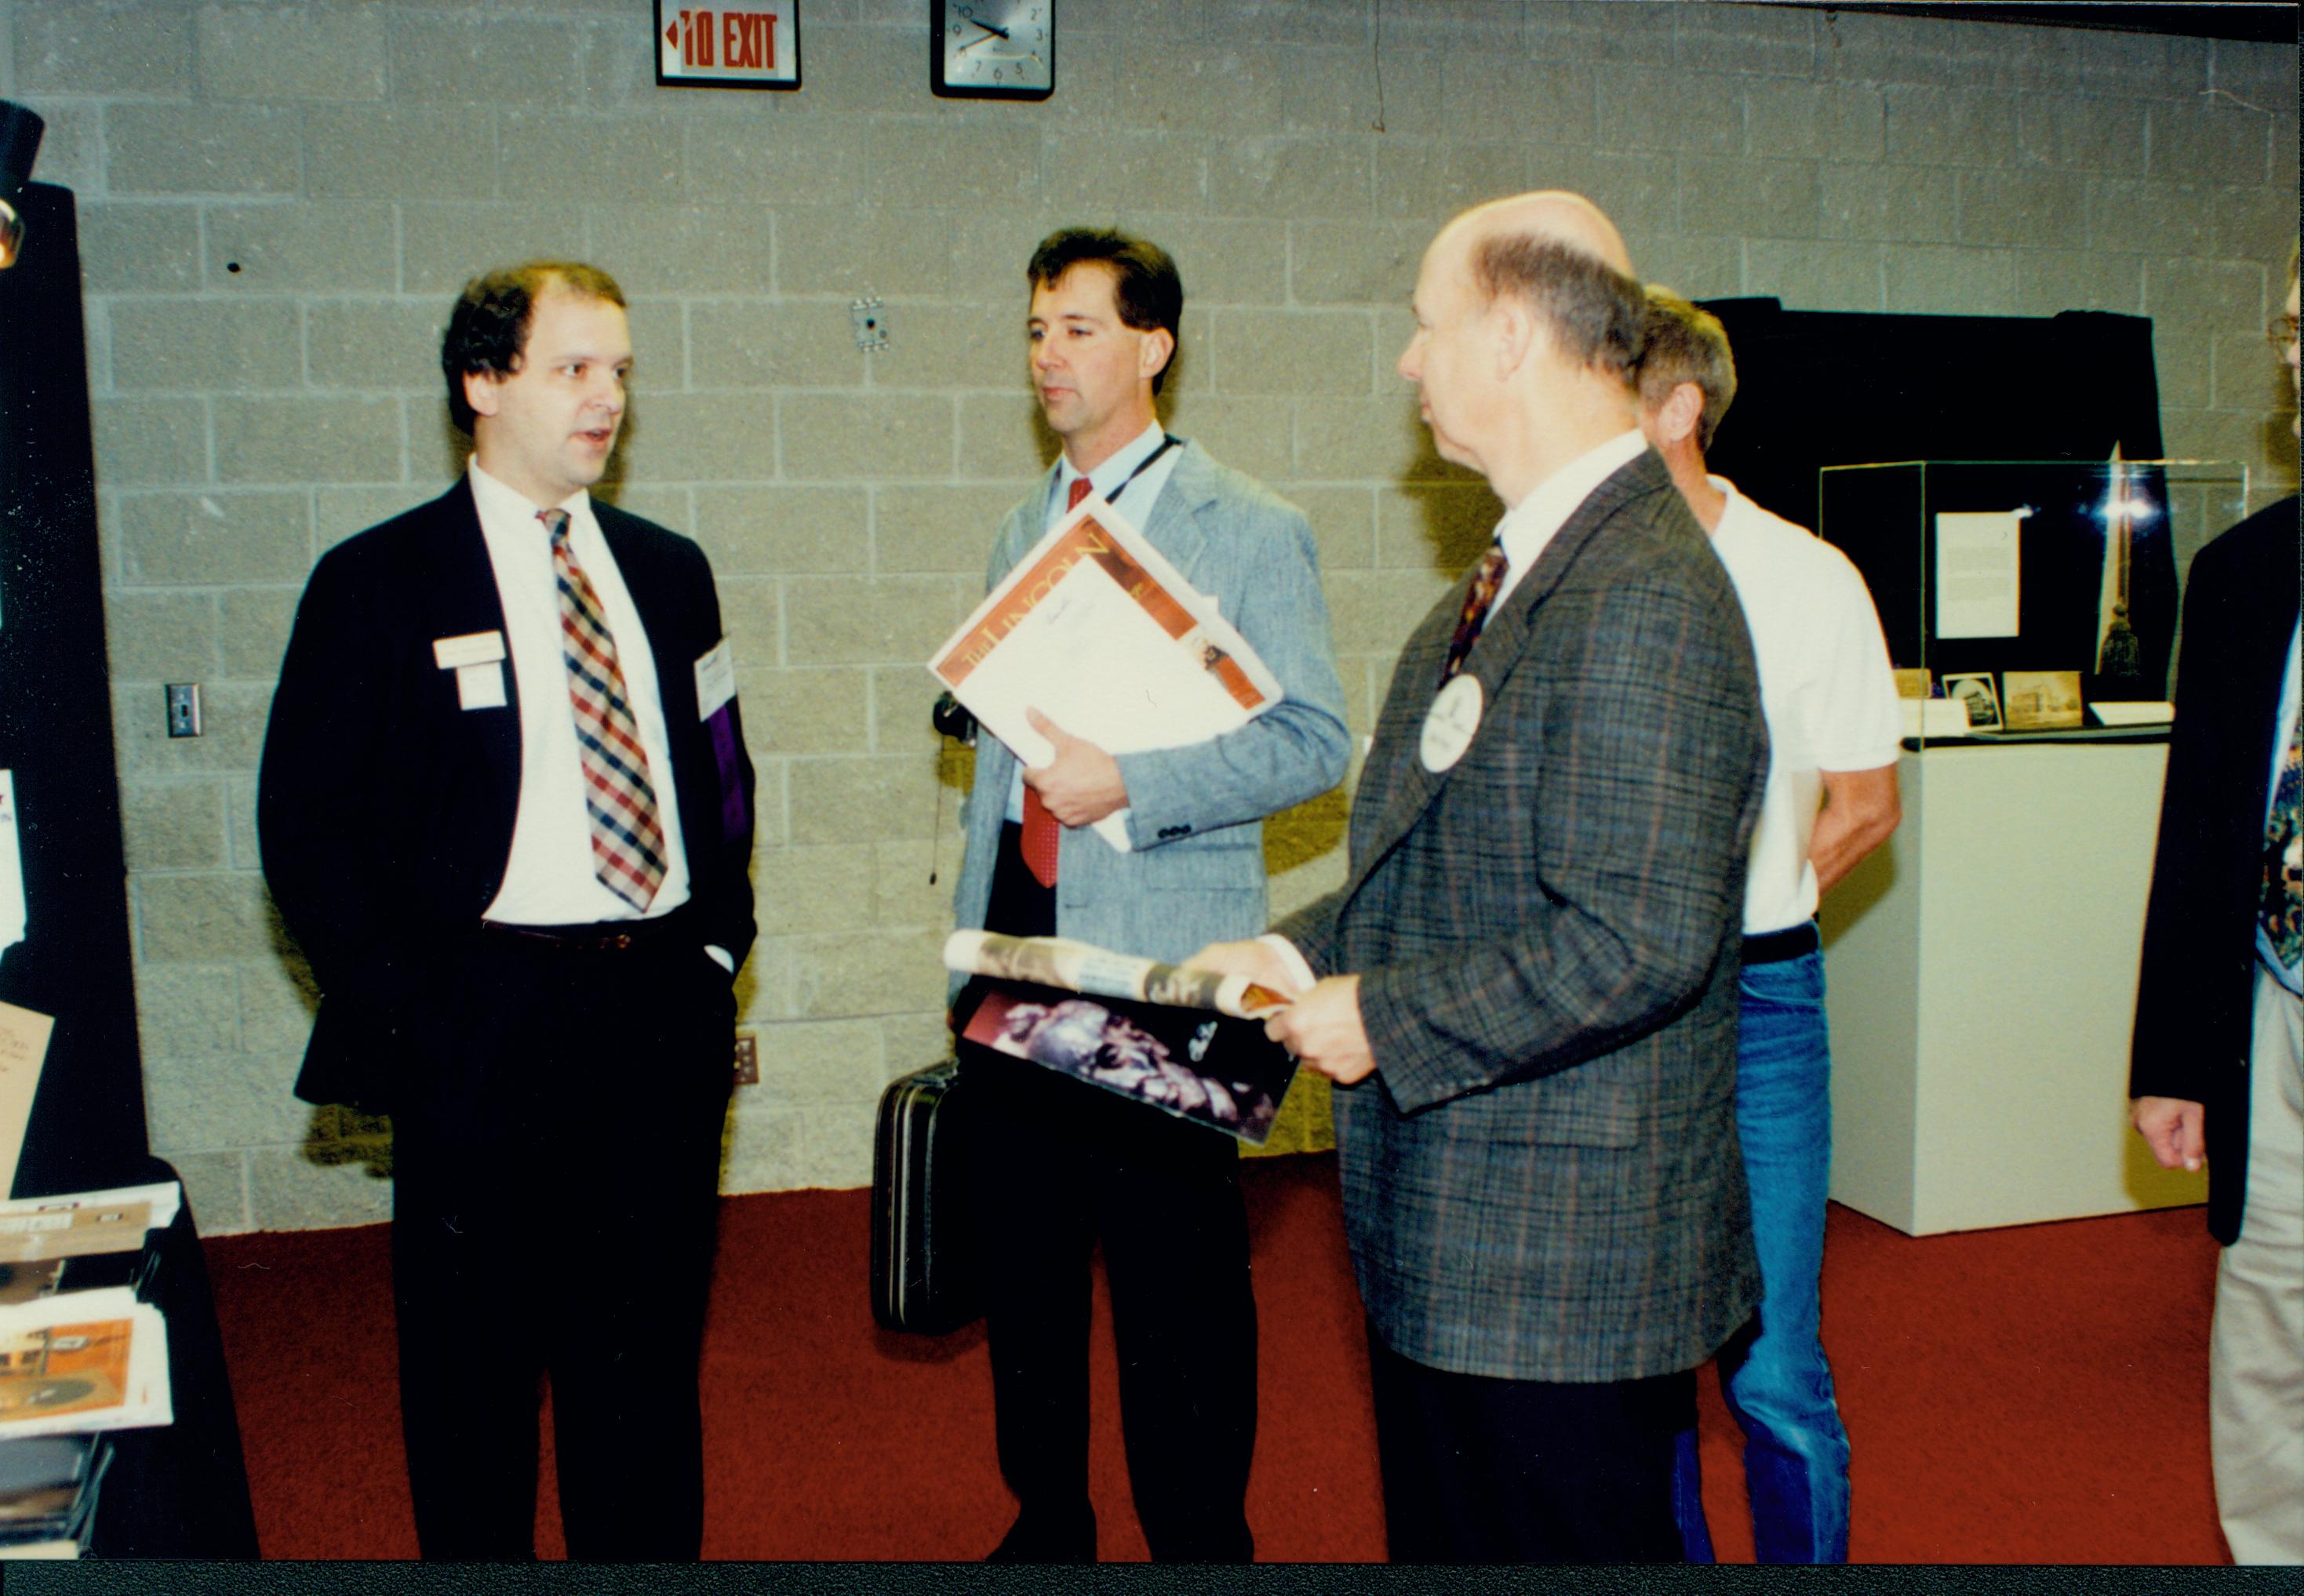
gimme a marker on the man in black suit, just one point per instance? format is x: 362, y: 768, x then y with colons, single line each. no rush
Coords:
x: 2215, y: 1070
x: 506, y: 812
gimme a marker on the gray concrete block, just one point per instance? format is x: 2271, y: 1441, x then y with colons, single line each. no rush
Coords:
x: 205, y: 149
x: 757, y: 343
x: 940, y: 529
x: 1380, y: 440
x: 1929, y: 125
x: 1344, y: 524
x: 1699, y: 267
x: 822, y: 889
x: 1274, y: 178
x: 1746, y: 38
x: 232, y: 735
x: 487, y: 60
x: 910, y: 1041
x: 546, y: 155
x: 854, y: 71
x: 223, y: 1104
x: 2210, y: 142
x: 866, y: 972
x: 186, y: 1011
x: 1450, y: 24
x: 2247, y: 377
x: 1684, y: 112
x: 1600, y: 30
x: 270, y: 249
x: 140, y: 248
x: 160, y: 637
x: 400, y: 153
x: 1640, y: 191
x: 757, y: 531
x: 215, y: 537
x: 2252, y: 222
x: 1421, y: 180
x: 1124, y: 172
x: 1835, y: 122
x: 938, y: 344
x: 2141, y: 63
x: 844, y: 620
x: 659, y: 330
x: 836, y: 1062
x: 1222, y: 262
x: 901, y: 697
x: 935, y: 162
x: 277, y: 1001
x: 806, y: 710
x: 1372, y: 613
x: 444, y: 246
x: 174, y: 825
x: 1438, y: 528
x: 1811, y: 275
x: 297, y: 53
x: 1872, y: 47
x: 202, y: 918
x: 873, y: 436
x: 140, y: 443
x: 751, y: 614
x: 1355, y: 92
x: 111, y: 50
x: 339, y: 512
x: 1755, y: 198
x: 199, y: 346
x: 307, y: 439
x: 687, y: 249
x: 1945, y: 281
x: 252, y: 635
x: 1892, y: 204
x: 857, y: 251
x: 1355, y: 261
x: 1255, y: 436
x: 2049, y: 281
x: 2019, y: 207
x: 2194, y: 301
x: 289, y: 1190
x: 216, y: 1190
x: 2104, y: 136
x: 775, y: 159
x: 699, y: 437
x: 887, y: 797
x: 375, y: 345
x: 1548, y: 103
x: 1325, y: 353
x: 1002, y: 440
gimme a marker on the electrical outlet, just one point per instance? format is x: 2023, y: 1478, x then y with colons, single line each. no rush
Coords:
x: 869, y: 323
x: 747, y: 1059
x: 184, y: 709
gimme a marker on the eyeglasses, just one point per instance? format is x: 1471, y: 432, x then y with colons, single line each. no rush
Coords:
x: 2280, y: 334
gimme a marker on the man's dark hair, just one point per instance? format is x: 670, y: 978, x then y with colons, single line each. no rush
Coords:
x: 488, y: 328
x: 1151, y: 295
x: 1687, y: 345
x: 1593, y: 309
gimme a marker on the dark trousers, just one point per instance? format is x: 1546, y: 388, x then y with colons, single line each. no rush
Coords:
x: 1478, y: 1470
x: 1059, y: 1166
x: 556, y: 1151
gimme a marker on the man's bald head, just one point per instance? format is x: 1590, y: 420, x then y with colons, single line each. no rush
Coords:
x: 1558, y: 253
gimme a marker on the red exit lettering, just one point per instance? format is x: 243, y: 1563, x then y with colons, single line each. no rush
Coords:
x: 696, y: 38
x: 748, y: 38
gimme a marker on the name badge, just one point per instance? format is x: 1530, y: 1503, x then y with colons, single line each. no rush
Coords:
x: 715, y: 680
x: 1449, y: 725
x: 473, y: 649
x: 480, y: 686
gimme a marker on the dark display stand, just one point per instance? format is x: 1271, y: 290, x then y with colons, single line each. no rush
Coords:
x: 181, y: 1490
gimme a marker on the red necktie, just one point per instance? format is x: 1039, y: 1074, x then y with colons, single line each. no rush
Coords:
x: 1475, y: 615
x: 1042, y: 835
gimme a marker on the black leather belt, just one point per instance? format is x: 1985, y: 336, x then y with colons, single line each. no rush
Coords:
x: 1773, y: 946
x: 605, y: 936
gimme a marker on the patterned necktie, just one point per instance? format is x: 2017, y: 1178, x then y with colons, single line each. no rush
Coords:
x: 627, y: 840
x: 1042, y: 835
x: 2280, y: 909
x: 1477, y: 603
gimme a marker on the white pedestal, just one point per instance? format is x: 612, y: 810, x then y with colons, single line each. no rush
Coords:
x: 1981, y: 967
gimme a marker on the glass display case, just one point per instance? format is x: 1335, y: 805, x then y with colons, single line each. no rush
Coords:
x: 2041, y: 597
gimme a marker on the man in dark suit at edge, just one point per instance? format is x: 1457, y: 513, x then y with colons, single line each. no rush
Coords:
x: 1528, y: 980
x: 505, y: 810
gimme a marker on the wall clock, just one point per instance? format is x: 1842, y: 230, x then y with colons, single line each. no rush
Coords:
x: 993, y: 49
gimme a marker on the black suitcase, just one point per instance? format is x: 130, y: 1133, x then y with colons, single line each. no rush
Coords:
x: 924, y: 1276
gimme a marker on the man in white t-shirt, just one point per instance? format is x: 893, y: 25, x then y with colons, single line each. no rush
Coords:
x: 1830, y: 702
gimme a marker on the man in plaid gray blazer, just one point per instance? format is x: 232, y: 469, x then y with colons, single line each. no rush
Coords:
x: 1528, y: 981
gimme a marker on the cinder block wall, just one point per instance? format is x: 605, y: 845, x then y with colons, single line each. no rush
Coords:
x: 278, y: 202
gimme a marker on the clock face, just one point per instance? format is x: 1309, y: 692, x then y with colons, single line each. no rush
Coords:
x: 1000, y: 48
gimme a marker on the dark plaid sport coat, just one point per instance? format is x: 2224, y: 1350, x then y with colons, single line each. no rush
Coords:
x: 1542, y: 1179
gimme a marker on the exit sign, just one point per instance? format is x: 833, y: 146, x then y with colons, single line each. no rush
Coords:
x: 753, y: 44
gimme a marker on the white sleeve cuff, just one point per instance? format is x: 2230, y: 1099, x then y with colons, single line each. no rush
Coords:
x: 1289, y: 955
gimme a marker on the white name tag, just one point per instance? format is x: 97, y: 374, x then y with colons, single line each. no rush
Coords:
x: 473, y: 649
x: 1449, y: 725
x: 480, y: 686
x: 715, y: 680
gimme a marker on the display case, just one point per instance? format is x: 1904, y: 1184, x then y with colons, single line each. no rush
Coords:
x: 2039, y: 595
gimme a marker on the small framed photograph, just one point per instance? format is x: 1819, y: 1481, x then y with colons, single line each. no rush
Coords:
x: 2040, y: 700
x: 1976, y: 692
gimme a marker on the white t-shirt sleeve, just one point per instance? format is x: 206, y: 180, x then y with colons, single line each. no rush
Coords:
x: 1858, y: 727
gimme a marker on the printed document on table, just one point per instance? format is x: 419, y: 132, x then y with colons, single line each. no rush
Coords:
x: 1977, y: 572
x: 81, y: 1361
x: 1097, y: 631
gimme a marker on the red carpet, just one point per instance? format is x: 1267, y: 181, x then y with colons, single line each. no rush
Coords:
x: 2036, y: 1395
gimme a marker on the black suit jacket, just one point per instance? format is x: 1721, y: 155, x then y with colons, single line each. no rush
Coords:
x: 2196, y: 1001
x: 386, y: 810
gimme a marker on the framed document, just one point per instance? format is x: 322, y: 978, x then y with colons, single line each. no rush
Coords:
x: 1976, y: 692
x: 2040, y: 700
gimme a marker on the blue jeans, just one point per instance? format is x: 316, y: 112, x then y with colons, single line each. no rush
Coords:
x: 1773, y: 1373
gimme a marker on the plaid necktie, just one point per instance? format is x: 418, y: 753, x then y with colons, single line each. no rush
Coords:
x: 1042, y: 835
x: 2280, y: 909
x: 1477, y: 603
x: 627, y: 840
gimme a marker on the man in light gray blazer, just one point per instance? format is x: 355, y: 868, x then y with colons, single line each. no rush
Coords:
x: 1528, y: 980
x: 1060, y: 1164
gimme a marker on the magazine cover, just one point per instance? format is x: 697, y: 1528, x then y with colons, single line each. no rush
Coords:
x: 1194, y: 1064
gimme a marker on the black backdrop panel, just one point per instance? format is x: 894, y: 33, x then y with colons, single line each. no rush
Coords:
x: 55, y: 728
